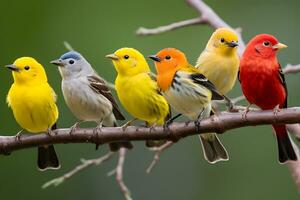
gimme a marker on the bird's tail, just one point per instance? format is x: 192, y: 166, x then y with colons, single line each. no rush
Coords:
x: 47, y: 158
x: 286, y: 150
x: 115, y: 146
x: 213, y: 149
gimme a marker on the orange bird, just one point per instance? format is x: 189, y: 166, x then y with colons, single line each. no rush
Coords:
x: 189, y: 93
x: 263, y: 84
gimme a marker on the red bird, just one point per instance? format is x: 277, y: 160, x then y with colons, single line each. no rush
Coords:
x: 263, y: 84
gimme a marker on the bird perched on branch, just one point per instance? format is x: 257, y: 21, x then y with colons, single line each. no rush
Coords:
x: 137, y: 89
x: 189, y: 93
x: 263, y: 84
x: 32, y: 101
x: 87, y: 94
x: 219, y: 61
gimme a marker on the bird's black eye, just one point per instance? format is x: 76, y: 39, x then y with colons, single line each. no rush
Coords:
x: 126, y: 57
x: 222, y: 40
x: 266, y: 43
x: 71, y: 62
x: 26, y: 67
x: 168, y: 57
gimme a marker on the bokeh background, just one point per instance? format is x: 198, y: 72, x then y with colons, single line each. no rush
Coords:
x: 96, y: 28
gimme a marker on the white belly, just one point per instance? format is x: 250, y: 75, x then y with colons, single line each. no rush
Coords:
x: 84, y: 103
x: 185, y: 103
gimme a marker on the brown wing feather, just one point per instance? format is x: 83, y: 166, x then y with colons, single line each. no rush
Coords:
x: 99, y: 86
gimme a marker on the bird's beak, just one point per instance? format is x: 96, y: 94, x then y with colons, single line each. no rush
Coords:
x: 155, y: 58
x: 279, y: 46
x: 112, y: 56
x: 232, y: 44
x: 13, y: 67
x: 57, y: 62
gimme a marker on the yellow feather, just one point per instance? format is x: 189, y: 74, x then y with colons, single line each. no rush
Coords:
x: 220, y: 62
x: 31, y: 98
x: 137, y: 90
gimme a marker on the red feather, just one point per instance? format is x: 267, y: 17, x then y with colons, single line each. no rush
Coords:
x: 263, y: 85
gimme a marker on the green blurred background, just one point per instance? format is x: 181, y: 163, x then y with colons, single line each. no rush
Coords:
x: 95, y: 28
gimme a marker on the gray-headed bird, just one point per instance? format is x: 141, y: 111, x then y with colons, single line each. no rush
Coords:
x: 87, y: 94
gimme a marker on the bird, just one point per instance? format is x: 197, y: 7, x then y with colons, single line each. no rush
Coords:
x: 219, y: 61
x: 87, y: 94
x: 190, y: 93
x: 137, y: 89
x: 263, y: 84
x: 32, y: 101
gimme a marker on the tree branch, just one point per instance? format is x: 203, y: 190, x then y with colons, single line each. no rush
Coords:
x: 119, y: 174
x: 158, y: 151
x: 84, y: 165
x: 291, y: 69
x: 219, y: 124
x: 142, y: 31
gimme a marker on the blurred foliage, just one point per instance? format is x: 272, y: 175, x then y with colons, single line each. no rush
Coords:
x: 96, y: 28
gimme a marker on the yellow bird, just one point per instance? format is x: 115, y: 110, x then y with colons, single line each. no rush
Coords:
x: 219, y: 62
x: 137, y: 88
x: 32, y: 101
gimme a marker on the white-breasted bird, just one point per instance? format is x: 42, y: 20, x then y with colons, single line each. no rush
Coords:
x: 87, y: 94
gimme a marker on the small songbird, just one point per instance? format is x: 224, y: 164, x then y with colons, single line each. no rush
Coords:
x: 32, y: 101
x: 189, y: 93
x: 137, y: 89
x: 263, y: 84
x: 219, y: 61
x: 87, y: 94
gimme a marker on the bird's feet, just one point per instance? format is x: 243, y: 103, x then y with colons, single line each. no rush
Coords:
x: 197, y: 125
x: 229, y: 104
x: 186, y: 123
x: 128, y: 124
x: 74, y: 127
x: 276, y: 110
x: 18, y: 135
x: 96, y: 131
x: 168, y: 123
x: 50, y: 132
x: 152, y: 127
x: 245, y: 112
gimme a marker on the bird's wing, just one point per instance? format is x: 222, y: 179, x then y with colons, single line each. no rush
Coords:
x: 202, y: 80
x: 98, y: 85
x: 282, y: 81
x: 153, y: 77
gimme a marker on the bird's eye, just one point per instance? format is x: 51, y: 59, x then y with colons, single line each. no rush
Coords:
x: 126, y: 57
x: 222, y: 40
x: 26, y: 67
x: 168, y: 57
x: 266, y: 43
x: 71, y: 62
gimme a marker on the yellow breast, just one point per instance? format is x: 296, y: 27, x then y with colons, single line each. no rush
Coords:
x: 138, y: 94
x: 33, y: 107
x: 220, y: 70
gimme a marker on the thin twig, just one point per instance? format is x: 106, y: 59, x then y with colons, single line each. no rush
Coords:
x: 118, y: 172
x: 238, y: 99
x: 68, y: 46
x: 294, y: 167
x: 158, y: 151
x: 295, y: 129
x: 142, y: 31
x: 291, y: 69
x: 84, y: 165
